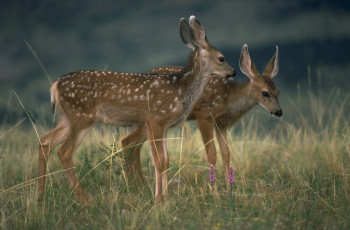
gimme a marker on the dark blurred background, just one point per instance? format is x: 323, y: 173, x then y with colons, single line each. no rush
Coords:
x: 134, y: 36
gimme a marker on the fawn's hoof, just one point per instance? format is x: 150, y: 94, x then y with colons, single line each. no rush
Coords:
x: 82, y: 197
x: 158, y: 199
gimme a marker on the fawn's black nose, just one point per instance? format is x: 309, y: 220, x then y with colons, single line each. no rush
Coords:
x: 278, y: 113
x: 232, y: 75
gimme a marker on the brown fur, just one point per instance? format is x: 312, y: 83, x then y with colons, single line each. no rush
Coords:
x: 222, y: 103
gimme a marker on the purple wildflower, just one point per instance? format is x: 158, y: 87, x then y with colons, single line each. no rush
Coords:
x: 231, y: 177
x: 212, y: 174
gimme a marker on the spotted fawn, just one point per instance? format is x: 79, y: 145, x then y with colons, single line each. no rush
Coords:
x: 155, y: 102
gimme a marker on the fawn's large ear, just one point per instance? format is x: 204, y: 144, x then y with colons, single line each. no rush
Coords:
x: 247, y: 65
x: 272, y: 67
x: 198, y: 33
x: 185, y: 33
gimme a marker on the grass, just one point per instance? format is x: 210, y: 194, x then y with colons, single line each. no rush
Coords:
x: 293, y: 173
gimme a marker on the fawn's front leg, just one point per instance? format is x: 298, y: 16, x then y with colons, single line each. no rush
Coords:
x: 206, y: 127
x: 221, y: 136
x: 155, y: 134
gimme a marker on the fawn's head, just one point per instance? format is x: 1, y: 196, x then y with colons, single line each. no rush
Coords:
x: 212, y: 61
x: 263, y: 89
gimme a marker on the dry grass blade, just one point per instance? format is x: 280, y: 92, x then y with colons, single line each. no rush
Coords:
x: 38, y: 60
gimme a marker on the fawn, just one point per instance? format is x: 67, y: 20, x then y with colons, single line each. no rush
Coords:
x: 155, y: 102
x: 222, y: 103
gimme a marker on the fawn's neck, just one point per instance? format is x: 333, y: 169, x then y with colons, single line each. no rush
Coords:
x: 195, y: 77
x: 240, y: 99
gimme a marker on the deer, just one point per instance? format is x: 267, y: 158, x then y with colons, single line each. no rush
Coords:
x: 221, y: 105
x: 156, y: 102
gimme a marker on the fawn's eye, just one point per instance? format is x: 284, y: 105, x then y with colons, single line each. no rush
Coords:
x: 221, y: 59
x: 265, y: 94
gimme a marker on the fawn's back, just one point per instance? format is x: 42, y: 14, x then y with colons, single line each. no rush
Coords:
x: 117, y: 98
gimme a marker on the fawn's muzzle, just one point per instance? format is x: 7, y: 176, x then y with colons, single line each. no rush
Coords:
x: 278, y: 113
x: 232, y: 75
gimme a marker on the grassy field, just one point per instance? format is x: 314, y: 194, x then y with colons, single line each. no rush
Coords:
x: 290, y: 173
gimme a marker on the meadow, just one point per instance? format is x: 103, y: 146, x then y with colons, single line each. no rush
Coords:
x: 290, y: 173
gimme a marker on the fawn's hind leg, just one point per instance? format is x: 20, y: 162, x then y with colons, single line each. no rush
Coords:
x: 132, y: 145
x: 47, y: 143
x: 65, y: 153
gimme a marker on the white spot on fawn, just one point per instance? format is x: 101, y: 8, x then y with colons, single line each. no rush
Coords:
x: 154, y: 84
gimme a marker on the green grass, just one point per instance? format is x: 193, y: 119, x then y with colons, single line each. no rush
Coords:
x: 291, y: 174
